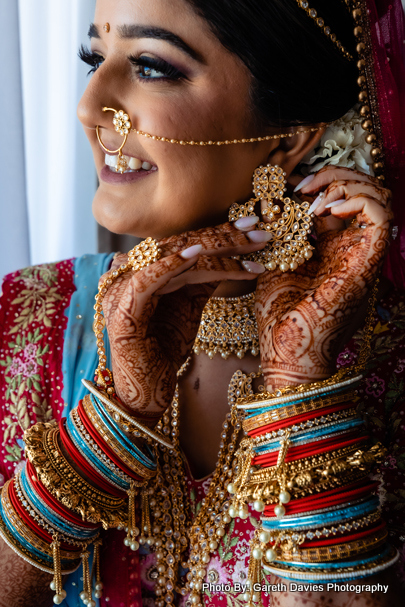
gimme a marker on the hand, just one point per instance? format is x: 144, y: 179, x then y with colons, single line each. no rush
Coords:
x: 152, y: 316
x: 301, y: 315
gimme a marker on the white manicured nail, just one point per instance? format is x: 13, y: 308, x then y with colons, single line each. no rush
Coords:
x: 316, y: 202
x: 259, y: 236
x: 246, y: 222
x: 335, y: 203
x: 304, y: 182
x: 253, y: 267
x: 191, y: 251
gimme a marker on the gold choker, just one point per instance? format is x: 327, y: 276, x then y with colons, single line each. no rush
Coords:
x: 228, y: 326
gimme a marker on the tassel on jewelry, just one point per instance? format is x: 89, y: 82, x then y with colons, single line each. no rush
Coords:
x: 56, y: 583
x: 85, y: 595
x: 132, y: 529
x: 146, y: 527
x: 96, y: 565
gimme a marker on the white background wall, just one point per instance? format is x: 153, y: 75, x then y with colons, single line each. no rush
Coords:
x: 47, y: 176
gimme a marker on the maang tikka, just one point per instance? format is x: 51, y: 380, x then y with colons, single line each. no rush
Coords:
x: 289, y: 222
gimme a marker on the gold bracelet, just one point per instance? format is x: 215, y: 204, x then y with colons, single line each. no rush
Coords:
x: 26, y: 555
x: 129, y: 424
x: 270, y: 417
x: 295, y: 572
x: 341, y: 379
x: 305, y: 476
x: 65, y: 485
x: 336, y: 552
x: 26, y: 533
x: 132, y: 463
x: 323, y: 421
x: 36, y: 516
x: 300, y: 536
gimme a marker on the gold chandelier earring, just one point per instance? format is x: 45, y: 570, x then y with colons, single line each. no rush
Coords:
x: 122, y: 125
x: 288, y: 221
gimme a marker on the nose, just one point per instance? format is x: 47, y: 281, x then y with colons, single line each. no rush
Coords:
x: 100, y: 93
x: 122, y: 125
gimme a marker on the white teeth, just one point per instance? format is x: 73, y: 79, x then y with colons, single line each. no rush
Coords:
x: 111, y: 161
x: 134, y: 163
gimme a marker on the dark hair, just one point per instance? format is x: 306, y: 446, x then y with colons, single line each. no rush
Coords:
x: 299, y: 76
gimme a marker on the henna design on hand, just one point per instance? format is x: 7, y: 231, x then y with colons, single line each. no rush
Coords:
x: 302, y: 315
x: 150, y: 333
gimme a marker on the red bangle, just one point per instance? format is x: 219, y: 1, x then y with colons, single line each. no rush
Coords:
x: 328, y: 499
x: 304, y: 451
x: 78, y: 458
x: 50, y: 501
x: 103, y: 445
x: 32, y: 524
x: 297, y: 419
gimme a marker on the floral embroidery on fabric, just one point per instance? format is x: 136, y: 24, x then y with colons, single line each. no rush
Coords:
x: 38, y: 299
x: 32, y: 323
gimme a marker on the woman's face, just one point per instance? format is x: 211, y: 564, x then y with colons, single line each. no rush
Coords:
x: 161, y: 64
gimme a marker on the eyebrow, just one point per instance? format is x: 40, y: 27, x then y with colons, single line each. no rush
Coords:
x: 127, y: 32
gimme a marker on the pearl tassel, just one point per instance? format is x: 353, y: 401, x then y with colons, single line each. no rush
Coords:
x: 98, y: 586
x: 146, y: 525
x: 56, y: 583
x: 132, y: 529
x: 85, y: 595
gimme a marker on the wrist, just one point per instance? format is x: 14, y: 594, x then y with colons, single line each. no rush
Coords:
x: 279, y: 375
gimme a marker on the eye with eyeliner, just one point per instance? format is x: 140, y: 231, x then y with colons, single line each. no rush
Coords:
x: 147, y: 68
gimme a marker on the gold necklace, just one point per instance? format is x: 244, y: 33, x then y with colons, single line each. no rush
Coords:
x: 228, y: 326
x: 170, y: 505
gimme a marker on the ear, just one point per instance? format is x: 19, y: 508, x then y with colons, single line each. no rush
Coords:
x: 291, y: 150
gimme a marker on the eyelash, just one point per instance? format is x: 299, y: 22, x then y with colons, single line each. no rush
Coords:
x: 141, y: 63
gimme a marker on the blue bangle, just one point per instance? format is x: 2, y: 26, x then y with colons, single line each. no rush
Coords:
x: 120, y: 437
x: 306, y: 438
x: 94, y: 461
x: 329, y: 518
x: 54, y: 519
x: 253, y: 412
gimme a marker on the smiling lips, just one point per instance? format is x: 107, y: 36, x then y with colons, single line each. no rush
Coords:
x: 132, y: 164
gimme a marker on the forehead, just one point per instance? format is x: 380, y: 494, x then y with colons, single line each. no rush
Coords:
x: 175, y: 15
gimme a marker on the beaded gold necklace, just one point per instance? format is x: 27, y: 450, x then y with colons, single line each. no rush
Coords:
x: 191, y: 546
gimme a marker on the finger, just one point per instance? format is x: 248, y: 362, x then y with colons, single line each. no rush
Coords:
x: 214, y: 270
x: 367, y: 210
x: 317, y: 182
x: 339, y: 190
x: 225, y: 239
x: 133, y: 291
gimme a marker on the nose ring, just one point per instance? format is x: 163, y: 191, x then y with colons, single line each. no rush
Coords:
x: 122, y: 125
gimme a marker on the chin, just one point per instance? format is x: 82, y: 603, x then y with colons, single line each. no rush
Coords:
x: 110, y: 215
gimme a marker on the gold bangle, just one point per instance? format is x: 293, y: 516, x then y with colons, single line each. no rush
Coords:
x: 132, y: 463
x: 380, y: 563
x: 270, y: 417
x: 323, y: 421
x: 130, y: 424
x: 341, y: 379
x: 65, y: 485
x: 300, y: 536
x: 305, y: 476
x: 36, y: 516
x: 336, y: 552
x: 26, y: 533
x: 26, y: 555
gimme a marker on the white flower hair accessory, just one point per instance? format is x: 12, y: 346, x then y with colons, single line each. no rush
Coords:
x: 342, y: 144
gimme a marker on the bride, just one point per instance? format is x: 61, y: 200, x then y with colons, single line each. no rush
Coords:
x: 186, y: 101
